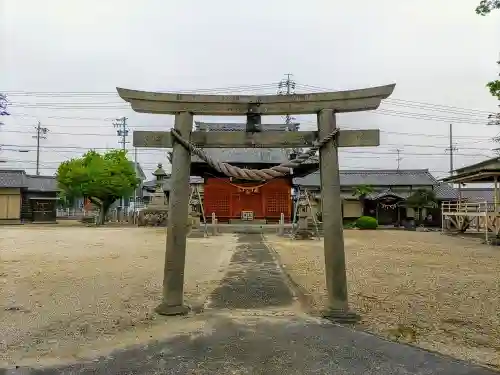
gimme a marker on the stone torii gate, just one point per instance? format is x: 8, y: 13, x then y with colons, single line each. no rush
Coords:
x: 327, y: 140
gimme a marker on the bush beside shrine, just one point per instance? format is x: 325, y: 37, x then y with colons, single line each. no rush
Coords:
x: 366, y: 222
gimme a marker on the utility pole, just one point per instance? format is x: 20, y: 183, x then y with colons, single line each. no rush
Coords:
x: 122, y: 132
x: 287, y: 87
x: 399, y: 158
x: 451, y: 148
x: 136, y: 168
x: 40, y: 134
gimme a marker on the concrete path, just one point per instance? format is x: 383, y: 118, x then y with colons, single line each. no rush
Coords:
x: 251, y: 326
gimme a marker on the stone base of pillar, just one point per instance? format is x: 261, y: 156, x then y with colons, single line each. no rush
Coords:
x: 169, y: 310
x: 303, y: 234
x: 341, y: 316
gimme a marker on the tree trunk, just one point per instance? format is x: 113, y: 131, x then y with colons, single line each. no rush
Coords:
x: 362, y: 203
x: 103, y: 211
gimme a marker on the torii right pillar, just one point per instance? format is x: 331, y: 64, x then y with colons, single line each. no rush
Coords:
x: 335, y: 265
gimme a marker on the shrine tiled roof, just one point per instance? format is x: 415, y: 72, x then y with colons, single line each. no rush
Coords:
x: 244, y: 155
x: 236, y: 126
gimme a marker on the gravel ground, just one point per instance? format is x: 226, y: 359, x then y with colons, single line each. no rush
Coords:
x: 445, y: 290
x: 67, y: 292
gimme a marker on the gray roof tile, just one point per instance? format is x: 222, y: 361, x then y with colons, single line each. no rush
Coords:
x: 236, y: 126
x: 41, y: 183
x: 11, y: 178
x: 444, y: 190
x: 244, y: 155
x: 389, y: 177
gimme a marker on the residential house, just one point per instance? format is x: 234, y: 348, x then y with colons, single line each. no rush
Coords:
x: 27, y: 198
x: 390, y: 190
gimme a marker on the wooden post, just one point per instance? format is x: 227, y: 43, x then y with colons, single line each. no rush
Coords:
x: 175, y: 255
x: 495, y: 196
x: 335, y: 266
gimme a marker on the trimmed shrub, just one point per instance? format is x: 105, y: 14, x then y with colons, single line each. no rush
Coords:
x: 366, y: 222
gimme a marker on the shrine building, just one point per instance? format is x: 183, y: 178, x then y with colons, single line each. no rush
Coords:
x: 235, y: 200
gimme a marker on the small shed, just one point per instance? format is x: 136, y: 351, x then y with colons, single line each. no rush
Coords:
x: 39, y: 199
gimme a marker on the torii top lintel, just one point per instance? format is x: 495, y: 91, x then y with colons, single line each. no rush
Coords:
x: 238, y: 105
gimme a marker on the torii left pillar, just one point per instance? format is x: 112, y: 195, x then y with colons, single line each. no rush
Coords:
x: 175, y: 254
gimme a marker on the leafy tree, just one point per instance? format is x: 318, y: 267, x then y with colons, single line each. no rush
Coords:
x: 3, y: 106
x: 361, y: 192
x: 422, y: 198
x: 65, y: 200
x: 102, y: 179
x: 494, y: 86
x: 485, y: 7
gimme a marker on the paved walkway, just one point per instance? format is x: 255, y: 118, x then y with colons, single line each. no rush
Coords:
x: 250, y: 327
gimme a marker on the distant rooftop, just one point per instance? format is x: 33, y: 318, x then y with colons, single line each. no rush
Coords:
x: 384, y: 178
x: 15, y: 178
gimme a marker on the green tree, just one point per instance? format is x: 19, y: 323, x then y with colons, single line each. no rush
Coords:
x: 65, y: 200
x: 102, y: 179
x: 361, y: 191
x: 485, y: 7
x: 422, y: 198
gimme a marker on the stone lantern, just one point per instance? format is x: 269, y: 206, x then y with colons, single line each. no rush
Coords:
x: 156, y: 213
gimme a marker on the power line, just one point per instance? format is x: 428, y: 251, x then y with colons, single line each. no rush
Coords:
x: 100, y: 119
x: 409, y: 102
x: 40, y: 134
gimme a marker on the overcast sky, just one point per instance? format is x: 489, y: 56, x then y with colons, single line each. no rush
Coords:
x: 60, y: 61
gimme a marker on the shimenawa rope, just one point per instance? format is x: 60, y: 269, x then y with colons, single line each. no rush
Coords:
x: 254, y: 174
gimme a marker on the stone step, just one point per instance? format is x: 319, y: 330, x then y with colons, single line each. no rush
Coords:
x: 248, y: 222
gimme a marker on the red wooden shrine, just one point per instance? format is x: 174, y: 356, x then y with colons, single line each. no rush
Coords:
x: 267, y: 200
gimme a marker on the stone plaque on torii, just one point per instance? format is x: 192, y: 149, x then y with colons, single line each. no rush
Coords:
x: 327, y: 140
